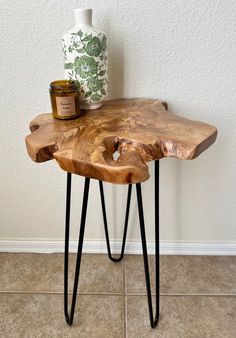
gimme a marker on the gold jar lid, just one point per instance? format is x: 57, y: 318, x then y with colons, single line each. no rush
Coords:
x: 60, y: 86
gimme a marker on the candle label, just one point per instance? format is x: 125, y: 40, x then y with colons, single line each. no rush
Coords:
x: 65, y: 105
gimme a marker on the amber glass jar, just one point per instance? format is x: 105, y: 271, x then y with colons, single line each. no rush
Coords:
x: 64, y: 99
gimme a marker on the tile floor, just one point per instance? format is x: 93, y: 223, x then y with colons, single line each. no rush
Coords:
x: 198, y: 297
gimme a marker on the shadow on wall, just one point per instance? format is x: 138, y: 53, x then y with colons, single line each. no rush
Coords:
x: 116, y: 71
x: 178, y: 227
x: 115, y: 90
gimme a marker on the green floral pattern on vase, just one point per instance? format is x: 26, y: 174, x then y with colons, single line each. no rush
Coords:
x: 93, y: 47
x: 85, y: 61
x: 95, y: 84
x: 85, y: 66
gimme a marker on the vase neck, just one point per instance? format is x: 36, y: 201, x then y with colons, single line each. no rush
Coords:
x: 83, y: 16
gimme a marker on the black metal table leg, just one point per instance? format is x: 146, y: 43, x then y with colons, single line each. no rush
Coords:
x: 153, y: 319
x: 157, y: 239
x: 69, y: 317
x: 105, y: 223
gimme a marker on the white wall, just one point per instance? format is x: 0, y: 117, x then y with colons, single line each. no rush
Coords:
x: 180, y: 51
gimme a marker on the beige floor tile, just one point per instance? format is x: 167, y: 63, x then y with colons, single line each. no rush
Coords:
x: 184, y: 274
x: 44, y: 273
x: 183, y: 317
x: 36, y: 316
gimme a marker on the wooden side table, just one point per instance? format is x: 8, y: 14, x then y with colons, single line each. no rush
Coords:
x: 114, y: 144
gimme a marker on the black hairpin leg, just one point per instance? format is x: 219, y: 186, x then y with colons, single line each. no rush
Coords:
x: 153, y: 320
x: 105, y: 223
x: 70, y: 316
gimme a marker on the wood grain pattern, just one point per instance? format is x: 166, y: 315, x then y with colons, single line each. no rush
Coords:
x: 138, y: 130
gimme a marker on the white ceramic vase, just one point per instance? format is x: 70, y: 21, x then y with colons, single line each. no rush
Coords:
x: 85, y: 59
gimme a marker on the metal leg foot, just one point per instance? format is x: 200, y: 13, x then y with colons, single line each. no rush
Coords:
x: 70, y: 316
x: 105, y: 223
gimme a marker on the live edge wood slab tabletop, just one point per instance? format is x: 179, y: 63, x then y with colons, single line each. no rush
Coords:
x: 138, y: 130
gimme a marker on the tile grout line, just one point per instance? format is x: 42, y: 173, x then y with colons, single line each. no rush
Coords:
x: 186, y: 295
x: 124, y: 299
x: 59, y: 293
x: 122, y: 293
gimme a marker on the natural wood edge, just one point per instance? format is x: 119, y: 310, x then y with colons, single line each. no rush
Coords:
x: 85, y: 146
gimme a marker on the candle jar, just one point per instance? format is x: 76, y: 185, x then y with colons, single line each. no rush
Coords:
x: 64, y: 96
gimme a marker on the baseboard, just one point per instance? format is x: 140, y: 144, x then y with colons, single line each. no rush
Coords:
x: 99, y: 246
